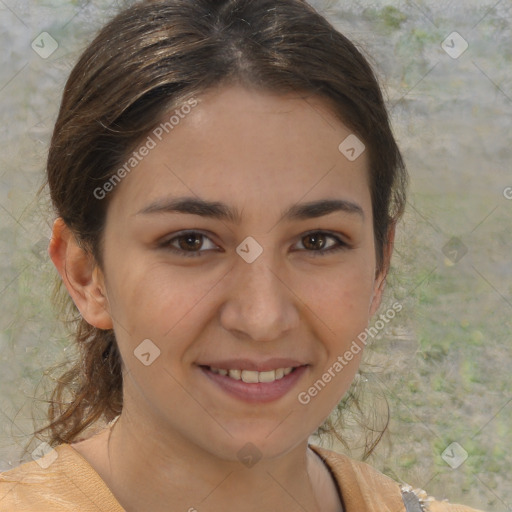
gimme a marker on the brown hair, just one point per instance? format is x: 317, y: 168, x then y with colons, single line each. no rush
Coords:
x: 152, y: 58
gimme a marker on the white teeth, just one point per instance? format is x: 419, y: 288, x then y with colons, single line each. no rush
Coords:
x: 269, y: 376
x: 235, y: 374
x: 251, y: 376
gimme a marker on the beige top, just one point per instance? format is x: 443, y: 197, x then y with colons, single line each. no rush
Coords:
x: 69, y: 483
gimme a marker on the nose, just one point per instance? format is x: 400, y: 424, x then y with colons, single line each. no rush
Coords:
x: 260, y: 304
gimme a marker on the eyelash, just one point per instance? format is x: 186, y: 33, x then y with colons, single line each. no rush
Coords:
x: 341, y: 245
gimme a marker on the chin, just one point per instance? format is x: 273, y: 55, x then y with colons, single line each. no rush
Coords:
x: 261, y: 442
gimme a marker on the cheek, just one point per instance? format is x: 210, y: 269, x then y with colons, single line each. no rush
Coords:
x: 153, y: 301
x: 341, y: 298
x: 340, y: 310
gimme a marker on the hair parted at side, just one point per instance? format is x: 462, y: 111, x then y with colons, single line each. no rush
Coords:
x: 150, y: 59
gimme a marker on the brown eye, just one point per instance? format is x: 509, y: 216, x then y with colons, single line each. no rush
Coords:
x: 192, y: 241
x: 316, y: 242
x: 189, y: 243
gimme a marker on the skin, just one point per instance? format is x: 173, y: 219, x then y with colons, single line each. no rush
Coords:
x: 177, y: 438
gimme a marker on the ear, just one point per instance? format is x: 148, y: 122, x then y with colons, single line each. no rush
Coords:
x: 81, y: 276
x: 380, y: 279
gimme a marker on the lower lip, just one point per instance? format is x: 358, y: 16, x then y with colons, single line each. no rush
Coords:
x: 258, y: 392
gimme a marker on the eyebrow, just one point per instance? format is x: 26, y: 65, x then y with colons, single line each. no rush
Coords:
x: 221, y: 211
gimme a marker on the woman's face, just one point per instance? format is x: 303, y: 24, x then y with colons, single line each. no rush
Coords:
x: 251, y: 289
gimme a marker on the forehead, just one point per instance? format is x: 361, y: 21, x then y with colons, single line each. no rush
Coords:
x: 247, y: 148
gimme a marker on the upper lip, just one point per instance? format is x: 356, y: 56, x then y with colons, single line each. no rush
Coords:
x: 252, y: 365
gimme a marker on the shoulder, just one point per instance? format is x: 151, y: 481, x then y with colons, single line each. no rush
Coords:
x: 60, y: 481
x: 31, y: 485
x: 363, y: 486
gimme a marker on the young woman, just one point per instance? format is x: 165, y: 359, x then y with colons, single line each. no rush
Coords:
x: 227, y: 186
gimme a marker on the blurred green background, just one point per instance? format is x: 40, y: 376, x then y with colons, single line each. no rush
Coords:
x: 443, y: 364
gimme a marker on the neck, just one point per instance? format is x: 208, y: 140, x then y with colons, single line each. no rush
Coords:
x: 149, y: 475
x: 145, y: 473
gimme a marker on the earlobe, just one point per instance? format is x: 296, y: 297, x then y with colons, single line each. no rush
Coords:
x: 81, y: 276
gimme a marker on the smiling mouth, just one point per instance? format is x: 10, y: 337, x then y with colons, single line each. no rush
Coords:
x: 251, y: 376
